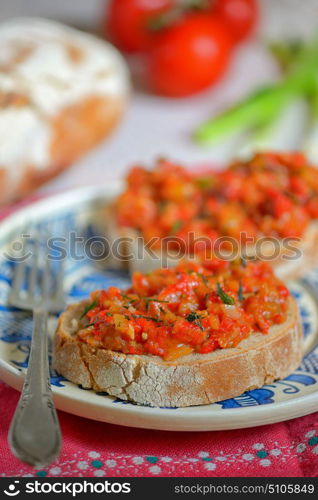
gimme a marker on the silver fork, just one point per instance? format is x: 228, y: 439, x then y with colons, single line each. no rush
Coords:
x: 34, y: 435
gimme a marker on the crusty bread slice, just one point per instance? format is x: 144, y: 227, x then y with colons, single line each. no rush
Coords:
x: 196, y: 379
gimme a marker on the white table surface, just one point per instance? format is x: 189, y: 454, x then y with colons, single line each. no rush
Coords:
x: 155, y: 126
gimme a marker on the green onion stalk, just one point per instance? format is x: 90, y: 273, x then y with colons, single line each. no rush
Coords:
x: 311, y: 141
x: 283, y: 133
x: 259, y: 111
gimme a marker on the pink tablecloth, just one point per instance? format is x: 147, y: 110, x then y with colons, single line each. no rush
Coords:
x: 96, y: 449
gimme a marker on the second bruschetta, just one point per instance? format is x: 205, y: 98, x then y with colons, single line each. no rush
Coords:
x: 265, y: 208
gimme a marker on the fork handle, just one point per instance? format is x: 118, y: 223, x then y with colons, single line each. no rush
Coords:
x: 34, y: 434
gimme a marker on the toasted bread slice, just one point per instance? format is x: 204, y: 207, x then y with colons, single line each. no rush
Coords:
x: 196, y: 379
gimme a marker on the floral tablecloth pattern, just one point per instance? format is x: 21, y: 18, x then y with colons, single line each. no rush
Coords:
x: 95, y: 449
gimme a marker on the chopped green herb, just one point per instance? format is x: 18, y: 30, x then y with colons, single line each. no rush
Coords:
x: 161, y: 207
x: 146, y: 317
x: 150, y: 299
x: 194, y: 317
x: 129, y: 298
x: 205, y: 182
x: 88, y: 308
x: 226, y: 299
x: 176, y: 226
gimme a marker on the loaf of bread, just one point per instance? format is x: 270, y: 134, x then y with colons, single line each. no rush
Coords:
x: 61, y: 92
x: 178, y: 337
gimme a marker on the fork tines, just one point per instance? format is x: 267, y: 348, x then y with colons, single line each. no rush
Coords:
x: 38, y: 276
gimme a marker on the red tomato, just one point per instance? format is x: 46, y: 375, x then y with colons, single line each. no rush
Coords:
x: 240, y: 16
x: 127, y: 22
x: 188, y: 56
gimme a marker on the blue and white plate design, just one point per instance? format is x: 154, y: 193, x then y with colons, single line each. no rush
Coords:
x: 294, y: 396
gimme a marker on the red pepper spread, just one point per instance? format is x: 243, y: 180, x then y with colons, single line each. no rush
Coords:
x: 189, y: 309
x: 270, y: 195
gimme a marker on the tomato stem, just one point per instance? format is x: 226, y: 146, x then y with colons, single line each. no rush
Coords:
x: 166, y: 19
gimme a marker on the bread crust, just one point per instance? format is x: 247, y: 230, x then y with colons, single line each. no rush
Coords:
x: 192, y: 380
x: 75, y: 131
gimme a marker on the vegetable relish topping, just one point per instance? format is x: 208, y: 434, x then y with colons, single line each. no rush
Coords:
x: 189, y: 309
x: 270, y: 195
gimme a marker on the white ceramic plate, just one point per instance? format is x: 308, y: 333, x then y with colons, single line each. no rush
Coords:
x: 295, y: 396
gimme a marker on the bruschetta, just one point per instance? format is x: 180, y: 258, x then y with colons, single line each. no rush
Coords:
x: 265, y: 207
x: 184, y: 336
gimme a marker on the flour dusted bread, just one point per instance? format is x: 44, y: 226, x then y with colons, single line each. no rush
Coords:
x: 191, y: 380
x: 61, y: 92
